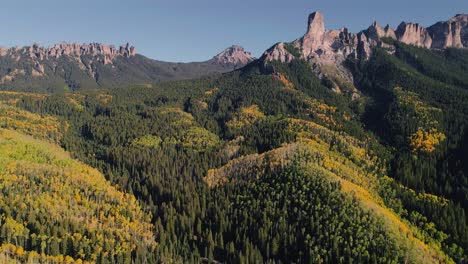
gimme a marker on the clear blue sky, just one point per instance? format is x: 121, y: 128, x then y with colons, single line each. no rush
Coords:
x: 195, y: 30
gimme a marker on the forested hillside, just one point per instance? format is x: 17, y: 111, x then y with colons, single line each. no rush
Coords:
x: 268, y: 164
x: 57, y: 210
x: 271, y: 163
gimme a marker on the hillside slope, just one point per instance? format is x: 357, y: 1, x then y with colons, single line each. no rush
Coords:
x: 55, y: 209
x: 282, y: 161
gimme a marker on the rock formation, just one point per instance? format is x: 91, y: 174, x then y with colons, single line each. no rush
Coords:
x: 375, y: 32
x: 93, y: 65
x: 37, y: 52
x: 322, y: 48
x: 451, y: 33
x: 414, y: 34
x: 234, y: 55
x: 93, y: 52
x: 326, y: 49
x: 278, y: 52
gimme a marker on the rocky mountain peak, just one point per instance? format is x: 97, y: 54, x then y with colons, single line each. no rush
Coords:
x: 375, y: 31
x: 322, y: 48
x: 234, y: 55
x: 327, y: 50
x: 390, y: 32
x: 316, y: 24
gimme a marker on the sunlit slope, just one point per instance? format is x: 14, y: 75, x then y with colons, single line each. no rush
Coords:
x: 338, y: 158
x: 54, y: 208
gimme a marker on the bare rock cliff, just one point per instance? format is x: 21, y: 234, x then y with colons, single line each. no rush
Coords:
x: 451, y: 33
x: 234, y: 55
x: 327, y: 50
x: 414, y: 34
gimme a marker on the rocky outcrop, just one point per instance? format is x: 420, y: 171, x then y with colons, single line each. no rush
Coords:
x: 277, y: 52
x: 330, y: 48
x: 414, y: 34
x: 315, y: 34
x: 325, y: 46
x: 37, y: 52
x: 451, y: 33
x: 36, y: 55
x: 234, y: 55
x: 389, y: 32
x: 322, y: 48
x: 375, y: 32
x: 3, y: 51
x: 11, y: 75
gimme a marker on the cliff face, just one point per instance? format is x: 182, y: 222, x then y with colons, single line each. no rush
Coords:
x: 35, y: 51
x: 85, y: 55
x: 330, y: 48
x: 333, y: 46
x: 413, y: 34
x: 277, y: 52
x: 323, y: 48
x: 451, y: 33
x: 327, y: 50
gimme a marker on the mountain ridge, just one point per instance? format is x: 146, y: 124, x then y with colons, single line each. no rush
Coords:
x: 72, y: 66
x: 327, y: 50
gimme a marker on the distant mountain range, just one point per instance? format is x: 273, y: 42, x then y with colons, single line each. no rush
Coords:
x: 71, y: 66
x: 76, y: 66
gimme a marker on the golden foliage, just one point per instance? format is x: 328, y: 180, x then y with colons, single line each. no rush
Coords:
x: 188, y: 133
x: 46, y: 127
x: 38, y: 178
x: 245, y: 116
x: 427, y: 137
x: 24, y: 94
x: 12, y: 98
x: 11, y: 254
x: 149, y: 141
x: 203, y: 105
x: 105, y: 98
x: 426, y: 141
x: 176, y: 116
x: 355, y: 175
x: 321, y: 111
x: 74, y: 100
x: 332, y: 150
x: 211, y: 91
x: 199, y: 139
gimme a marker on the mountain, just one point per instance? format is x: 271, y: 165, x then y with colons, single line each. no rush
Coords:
x: 338, y: 147
x: 75, y: 66
x: 328, y: 50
